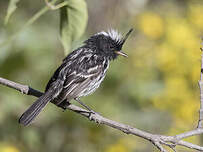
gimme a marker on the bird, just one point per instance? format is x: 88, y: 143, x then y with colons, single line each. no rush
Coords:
x: 80, y: 73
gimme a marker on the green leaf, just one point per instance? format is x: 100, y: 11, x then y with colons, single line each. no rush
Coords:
x: 73, y: 21
x: 11, y: 8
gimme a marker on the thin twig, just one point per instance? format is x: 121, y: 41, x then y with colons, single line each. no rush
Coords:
x: 157, y: 140
x: 200, y: 125
x: 55, y: 7
x: 28, y: 23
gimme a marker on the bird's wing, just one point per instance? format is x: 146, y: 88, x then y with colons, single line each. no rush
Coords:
x: 76, y: 83
x: 66, y: 65
x: 78, y: 70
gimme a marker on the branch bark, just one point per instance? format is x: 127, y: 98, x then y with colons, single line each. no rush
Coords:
x: 158, y: 140
x: 200, y: 125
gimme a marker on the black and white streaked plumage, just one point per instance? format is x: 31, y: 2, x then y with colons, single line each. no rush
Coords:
x: 81, y: 72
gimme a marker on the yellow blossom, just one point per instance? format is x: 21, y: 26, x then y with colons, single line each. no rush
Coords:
x: 195, y: 15
x: 152, y: 25
x: 9, y: 149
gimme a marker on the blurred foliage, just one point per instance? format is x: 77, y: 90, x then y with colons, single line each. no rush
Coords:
x: 73, y: 21
x: 155, y: 89
x: 11, y: 8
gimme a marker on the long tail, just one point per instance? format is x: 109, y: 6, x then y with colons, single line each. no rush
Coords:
x: 29, y: 115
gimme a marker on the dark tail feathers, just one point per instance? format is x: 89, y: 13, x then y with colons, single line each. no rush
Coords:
x: 29, y: 115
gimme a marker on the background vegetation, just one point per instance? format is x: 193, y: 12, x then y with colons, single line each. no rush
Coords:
x: 155, y: 89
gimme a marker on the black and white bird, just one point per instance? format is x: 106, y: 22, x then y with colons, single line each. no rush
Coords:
x: 80, y: 73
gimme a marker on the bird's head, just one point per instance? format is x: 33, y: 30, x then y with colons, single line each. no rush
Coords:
x: 108, y: 44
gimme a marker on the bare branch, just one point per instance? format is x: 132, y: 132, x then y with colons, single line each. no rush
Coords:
x: 200, y: 125
x: 197, y: 131
x: 157, y: 140
x: 190, y: 145
x: 159, y: 146
x: 22, y: 88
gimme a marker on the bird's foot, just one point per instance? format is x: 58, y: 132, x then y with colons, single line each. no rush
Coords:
x: 94, y: 116
x: 93, y: 112
x: 64, y: 105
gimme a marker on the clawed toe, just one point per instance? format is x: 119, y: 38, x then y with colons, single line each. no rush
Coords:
x: 93, y: 116
x: 93, y: 112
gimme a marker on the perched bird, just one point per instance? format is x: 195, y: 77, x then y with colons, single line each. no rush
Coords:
x: 80, y: 74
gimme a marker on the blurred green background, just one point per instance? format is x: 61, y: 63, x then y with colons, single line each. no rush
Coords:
x: 155, y: 89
